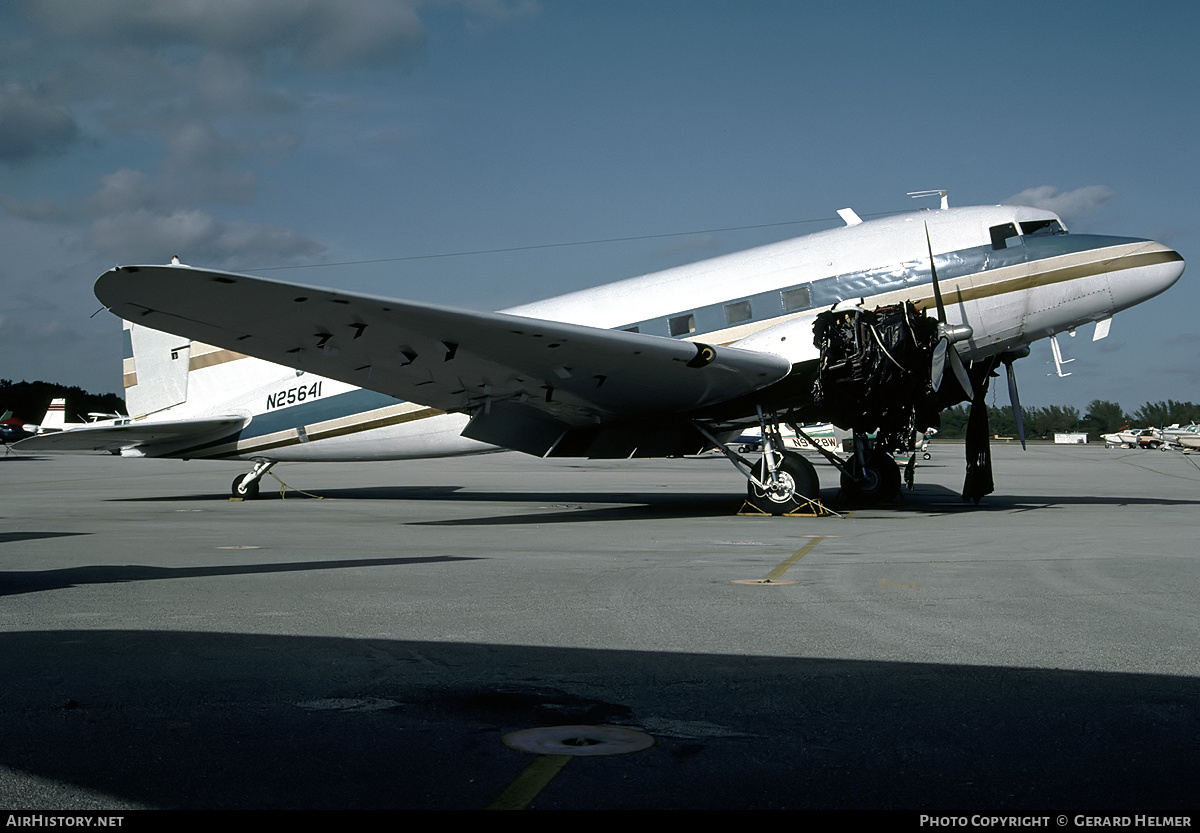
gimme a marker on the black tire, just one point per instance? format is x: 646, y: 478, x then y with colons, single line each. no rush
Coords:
x: 250, y: 492
x: 798, y: 480
x: 879, y: 483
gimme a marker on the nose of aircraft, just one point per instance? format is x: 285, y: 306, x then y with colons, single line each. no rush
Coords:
x: 1154, y: 270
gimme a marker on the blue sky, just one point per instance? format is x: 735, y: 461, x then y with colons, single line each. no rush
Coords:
x: 296, y: 138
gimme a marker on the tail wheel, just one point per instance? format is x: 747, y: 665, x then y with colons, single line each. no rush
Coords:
x: 246, y: 492
x: 877, y: 482
x: 796, y: 480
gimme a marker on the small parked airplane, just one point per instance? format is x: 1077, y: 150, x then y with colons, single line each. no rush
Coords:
x: 876, y: 327
x: 56, y: 418
x: 13, y: 430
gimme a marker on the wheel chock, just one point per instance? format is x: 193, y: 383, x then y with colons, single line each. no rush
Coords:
x: 809, y: 509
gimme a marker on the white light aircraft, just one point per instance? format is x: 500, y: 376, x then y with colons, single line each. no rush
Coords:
x: 55, y: 418
x: 876, y: 327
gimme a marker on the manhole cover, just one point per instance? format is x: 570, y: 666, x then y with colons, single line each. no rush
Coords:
x: 579, y: 740
x: 765, y: 582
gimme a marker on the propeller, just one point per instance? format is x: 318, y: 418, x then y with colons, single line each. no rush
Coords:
x: 1013, y: 399
x: 945, y: 348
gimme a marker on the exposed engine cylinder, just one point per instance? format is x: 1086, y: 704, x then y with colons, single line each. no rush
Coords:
x: 874, y: 371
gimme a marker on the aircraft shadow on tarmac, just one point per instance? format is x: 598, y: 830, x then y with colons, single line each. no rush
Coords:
x: 210, y: 720
x: 580, y: 506
x: 11, y: 537
x: 36, y: 581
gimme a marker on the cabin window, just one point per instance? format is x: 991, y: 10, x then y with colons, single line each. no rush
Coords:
x: 738, y: 312
x: 798, y: 298
x: 1005, y: 236
x: 681, y: 325
x: 1041, y: 228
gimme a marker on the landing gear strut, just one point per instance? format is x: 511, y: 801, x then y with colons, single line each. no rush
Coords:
x: 245, y: 486
x: 869, y: 475
x: 781, y: 480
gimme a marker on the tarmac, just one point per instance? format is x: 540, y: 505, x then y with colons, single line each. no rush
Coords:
x: 164, y: 647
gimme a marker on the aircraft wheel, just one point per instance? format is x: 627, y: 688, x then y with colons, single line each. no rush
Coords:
x: 928, y: 456
x: 797, y: 480
x: 878, y: 483
x: 247, y: 492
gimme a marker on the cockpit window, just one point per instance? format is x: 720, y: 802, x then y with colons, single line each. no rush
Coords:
x: 1039, y: 228
x: 1005, y: 236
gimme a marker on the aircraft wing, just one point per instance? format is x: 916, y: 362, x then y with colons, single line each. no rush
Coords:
x: 525, y: 381
x: 116, y: 438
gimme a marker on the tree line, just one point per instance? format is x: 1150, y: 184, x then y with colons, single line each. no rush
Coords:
x: 29, y: 400
x: 1101, y: 417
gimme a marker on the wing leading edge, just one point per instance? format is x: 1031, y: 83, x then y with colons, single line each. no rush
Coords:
x: 527, y: 382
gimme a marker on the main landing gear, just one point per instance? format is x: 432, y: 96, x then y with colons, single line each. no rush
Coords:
x: 245, y: 486
x: 869, y: 475
x: 782, y: 480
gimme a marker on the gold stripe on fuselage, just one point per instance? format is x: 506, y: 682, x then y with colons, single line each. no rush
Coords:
x: 212, y: 358
x: 338, y: 427
x: 1048, y: 277
x: 980, y: 285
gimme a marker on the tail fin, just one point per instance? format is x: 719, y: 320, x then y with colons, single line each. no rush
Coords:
x: 155, y: 369
x: 56, y: 416
x: 162, y: 371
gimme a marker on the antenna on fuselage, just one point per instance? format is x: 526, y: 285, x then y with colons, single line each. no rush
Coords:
x: 940, y: 192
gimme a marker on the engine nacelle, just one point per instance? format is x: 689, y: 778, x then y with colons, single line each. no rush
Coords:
x: 793, y: 339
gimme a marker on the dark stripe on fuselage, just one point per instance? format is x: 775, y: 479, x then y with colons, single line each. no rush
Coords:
x: 328, y: 408
x: 1051, y: 276
x: 319, y: 410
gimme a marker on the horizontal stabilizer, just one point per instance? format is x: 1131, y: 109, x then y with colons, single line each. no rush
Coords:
x: 141, y: 435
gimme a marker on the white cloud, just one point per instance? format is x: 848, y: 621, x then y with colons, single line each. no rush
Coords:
x: 143, y: 236
x: 1066, y: 204
x: 123, y: 190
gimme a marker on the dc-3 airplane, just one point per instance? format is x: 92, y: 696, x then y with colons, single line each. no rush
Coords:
x: 875, y: 326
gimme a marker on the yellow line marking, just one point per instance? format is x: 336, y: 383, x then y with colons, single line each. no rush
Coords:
x: 530, y: 783
x: 796, y: 556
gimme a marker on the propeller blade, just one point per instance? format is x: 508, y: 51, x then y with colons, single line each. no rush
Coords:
x: 937, y: 290
x: 938, y: 366
x: 1015, y: 401
x: 960, y: 373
